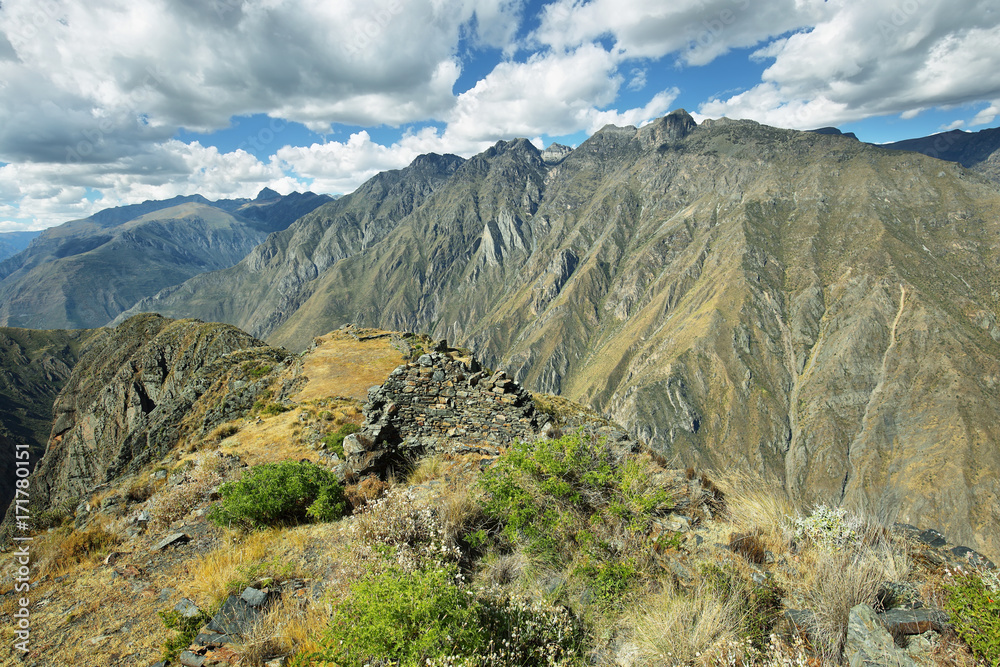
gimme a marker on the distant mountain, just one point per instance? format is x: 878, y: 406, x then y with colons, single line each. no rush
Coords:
x: 812, y: 308
x: 12, y: 243
x: 83, y: 273
x: 979, y: 151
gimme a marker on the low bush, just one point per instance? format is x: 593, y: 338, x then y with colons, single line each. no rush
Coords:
x: 271, y: 409
x: 57, y: 515
x: 83, y: 544
x: 559, y: 496
x: 831, y: 528
x: 974, y: 606
x: 334, y: 442
x: 428, y: 617
x: 272, y: 494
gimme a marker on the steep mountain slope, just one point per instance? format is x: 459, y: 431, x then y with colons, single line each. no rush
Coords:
x: 810, y: 307
x: 12, y: 243
x: 275, y: 278
x: 136, y: 392
x: 84, y: 273
x: 36, y: 366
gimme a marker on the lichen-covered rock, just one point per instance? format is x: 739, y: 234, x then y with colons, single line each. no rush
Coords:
x: 869, y: 644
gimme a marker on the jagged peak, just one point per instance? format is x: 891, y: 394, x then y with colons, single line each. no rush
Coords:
x: 266, y: 194
x: 555, y: 153
x: 673, y: 127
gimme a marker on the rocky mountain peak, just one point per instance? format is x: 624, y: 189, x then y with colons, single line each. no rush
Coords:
x: 267, y: 194
x: 554, y: 153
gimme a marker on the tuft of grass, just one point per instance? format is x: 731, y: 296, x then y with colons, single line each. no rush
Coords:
x: 702, y: 628
x: 748, y: 545
x: 841, y: 580
x: 367, y: 490
x: 761, y: 507
x: 223, y: 431
x: 427, y: 469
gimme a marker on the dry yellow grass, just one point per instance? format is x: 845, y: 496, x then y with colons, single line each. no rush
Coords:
x: 212, y: 574
x: 92, y: 618
x: 759, y: 507
x: 292, y: 625
x: 674, y: 628
x: 271, y: 439
x: 342, y: 365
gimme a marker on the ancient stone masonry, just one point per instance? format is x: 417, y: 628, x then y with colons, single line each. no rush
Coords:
x: 441, y: 402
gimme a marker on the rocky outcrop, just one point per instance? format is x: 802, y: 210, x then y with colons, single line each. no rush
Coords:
x: 140, y: 390
x: 441, y: 402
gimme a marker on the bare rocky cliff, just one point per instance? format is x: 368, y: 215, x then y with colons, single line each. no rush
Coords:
x: 138, y: 391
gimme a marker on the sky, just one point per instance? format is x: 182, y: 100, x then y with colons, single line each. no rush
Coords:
x: 112, y: 102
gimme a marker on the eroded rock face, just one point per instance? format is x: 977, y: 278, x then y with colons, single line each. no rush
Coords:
x: 137, y: 391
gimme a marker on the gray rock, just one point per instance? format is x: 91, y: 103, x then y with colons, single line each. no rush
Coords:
x: 800, y: 621
x: 189, y: 659
x: 932, y: 538
x: 869, y: 644
x: 425, y: 360
x: 914, y: 621
x: 254, y: 597
x: 211, y: 639
x: 973, y: 558
x: 235, y: 618
x: 187, y: 609
x: 172, y: 539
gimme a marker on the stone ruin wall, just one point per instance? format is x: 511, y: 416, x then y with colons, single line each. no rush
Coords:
x: 441, y: 402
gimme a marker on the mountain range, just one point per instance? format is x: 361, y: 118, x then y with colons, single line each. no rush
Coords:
x: 83, y: 273
x: 818, y: 310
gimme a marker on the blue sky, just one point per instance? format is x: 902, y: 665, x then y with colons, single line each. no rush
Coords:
x: 107, y: 103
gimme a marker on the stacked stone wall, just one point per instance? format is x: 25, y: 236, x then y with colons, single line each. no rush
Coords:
x: 442, y: 402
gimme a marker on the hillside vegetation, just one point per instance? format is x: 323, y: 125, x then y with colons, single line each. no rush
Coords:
x: 248, y: 541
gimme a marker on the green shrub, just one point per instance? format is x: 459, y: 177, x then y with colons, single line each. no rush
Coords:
x: 187, y: 630
x: 405, y: 617
x: 608, y: 580
x: 974, y: 606
x: 427, y: 617
x: 289, y: 492
x: 260, y: 371
x: 552, y: 495
x: 270, y: 408
x: 334, y: 442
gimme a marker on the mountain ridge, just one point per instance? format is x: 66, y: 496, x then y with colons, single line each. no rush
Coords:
x: 735, y: 294
x: 85, y: 272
